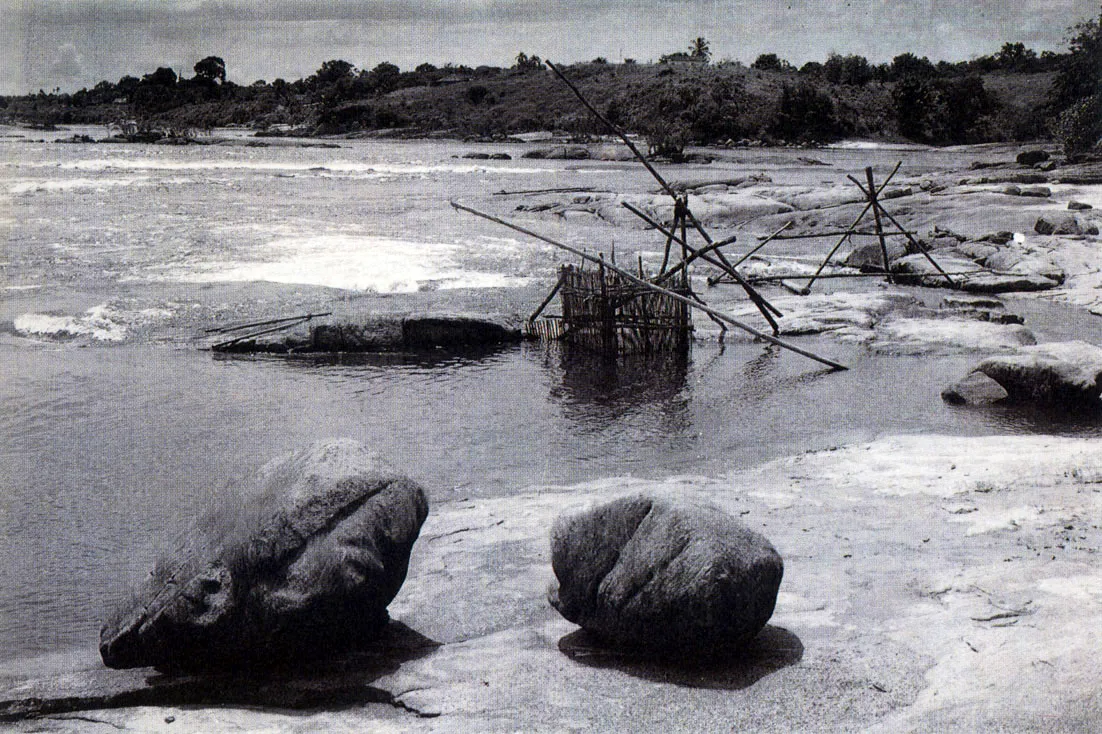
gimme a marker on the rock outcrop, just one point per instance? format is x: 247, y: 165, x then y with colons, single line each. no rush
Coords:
x: 1059, y: 373
x: 385, y: 333
x: 664, y: 577
x: 302, y: 563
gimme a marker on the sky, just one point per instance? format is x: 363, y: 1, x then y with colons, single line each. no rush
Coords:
x: 69, y: 44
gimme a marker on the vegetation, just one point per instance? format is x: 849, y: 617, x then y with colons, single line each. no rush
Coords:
x: 686, y: 98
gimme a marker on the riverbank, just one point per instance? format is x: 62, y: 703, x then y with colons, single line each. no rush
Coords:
x: 931, y: 583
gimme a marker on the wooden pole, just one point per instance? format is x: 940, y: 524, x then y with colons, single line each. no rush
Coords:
x: 546, y: 301
x: 879, y: 225
x: 761, y: 303
x: 239, y: 327
x: 620, y: 133
x: 756, y: 297
x: 657, y: 288
x: 856, y: 221
x: 909, y: 235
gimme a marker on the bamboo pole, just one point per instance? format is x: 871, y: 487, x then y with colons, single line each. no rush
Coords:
x: 825, y: 276
x: 909, y: 235
x: 239, y: 327
x: 879, y: 226
x: 615, y: 129
x: 763, y: 305
x: 657, y: 288
x: 856, y: 221
x: 763, y: 243
x: 546, y: 301
x: 817, y: 235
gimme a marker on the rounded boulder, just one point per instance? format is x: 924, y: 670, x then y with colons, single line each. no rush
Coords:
x: 299, y: 563
x: 662, y: 576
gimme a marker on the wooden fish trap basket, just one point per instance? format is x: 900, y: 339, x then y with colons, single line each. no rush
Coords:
x: 605, y: 312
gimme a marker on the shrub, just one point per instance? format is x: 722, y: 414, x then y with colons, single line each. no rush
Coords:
x: 1079, y: 127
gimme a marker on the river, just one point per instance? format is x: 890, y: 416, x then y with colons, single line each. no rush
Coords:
x: 117, y: 427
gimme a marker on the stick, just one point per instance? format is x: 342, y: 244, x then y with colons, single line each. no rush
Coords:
x: 239, y: 327
x: 761, y: 303
x: 879, y: 209
x: 620, y: 133
x: 856, y: 221
x: 879, y: 225
x: 281, y: 327
x: 816, y: 235
x: 657, y: 288
x: 563, y: 190
x: 762, y: 244
x: 546, y: 301
x: 824, y: 276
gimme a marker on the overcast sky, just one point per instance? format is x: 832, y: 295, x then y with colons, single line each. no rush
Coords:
x: 75, y: 43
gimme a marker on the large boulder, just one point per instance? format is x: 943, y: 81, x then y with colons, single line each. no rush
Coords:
x: 664, y: 577
x: 300, y: 563
x: 1058, y: 373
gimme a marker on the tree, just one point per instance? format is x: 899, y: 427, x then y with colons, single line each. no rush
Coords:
x: 805, y: 114
x: 163, y: 77
x: 333, y: 71
x: 700, y: 49
x: 1080, y: 73
x: 1015, y: 57
x: 770, y: 62
x: 528, y: 63
x: 908, y: 64
x: 852, y: 70
x: 212, y: 69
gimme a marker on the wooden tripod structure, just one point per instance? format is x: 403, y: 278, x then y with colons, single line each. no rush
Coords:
x: 873, y: 203
x: 677, y: 233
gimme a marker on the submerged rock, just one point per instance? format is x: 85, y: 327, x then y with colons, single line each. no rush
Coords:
x: 1059, y: 373
x: 302, y: 563
x: 662, y: 576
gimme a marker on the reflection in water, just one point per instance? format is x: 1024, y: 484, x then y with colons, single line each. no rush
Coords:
x: 598, y: 390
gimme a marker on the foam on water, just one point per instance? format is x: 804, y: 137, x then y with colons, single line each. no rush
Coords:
x: 337, y: 166
x: 24, y: 187
x: 360, y: 263
x: 95, y: 322
x: 107, y: 322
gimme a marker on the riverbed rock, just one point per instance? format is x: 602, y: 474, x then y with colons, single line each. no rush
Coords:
x: 1032, y: 157
x: 1066, y: 224
x: 385, y: 333
x: 663, y: 577
x: 869, y: 256
x: 300, y: 563
x: 1078, y: 206
x: 917, y: 270
x: 1058, y: 373
x: 975, y: 389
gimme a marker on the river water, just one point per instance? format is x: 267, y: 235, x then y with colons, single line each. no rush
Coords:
x: 116, y: 428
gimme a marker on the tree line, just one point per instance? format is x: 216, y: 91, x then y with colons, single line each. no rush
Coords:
x: 686, y: 98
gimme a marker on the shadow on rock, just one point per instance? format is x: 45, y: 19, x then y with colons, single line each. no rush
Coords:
x: 334, y: 683
x: 774, y: 648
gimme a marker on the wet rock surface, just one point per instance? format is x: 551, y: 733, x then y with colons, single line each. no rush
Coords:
x: 384, y: 333
x: 1061, y: 373
x: 664, y: 577
x: 300, y: 564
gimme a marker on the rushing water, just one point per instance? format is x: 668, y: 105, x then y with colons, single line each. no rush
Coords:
x: 115, y: 429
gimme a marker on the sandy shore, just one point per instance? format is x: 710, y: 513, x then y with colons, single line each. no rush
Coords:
x: 931, y: 583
